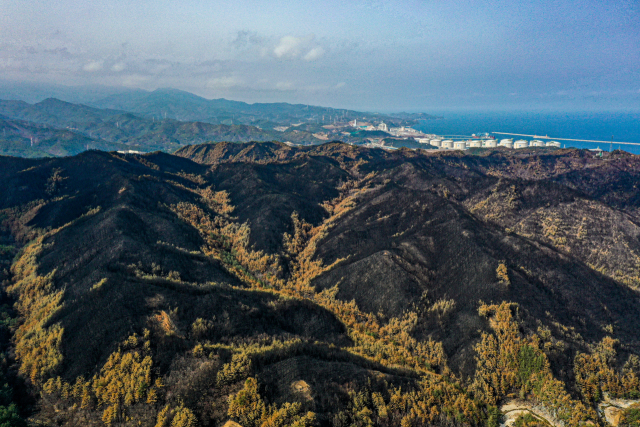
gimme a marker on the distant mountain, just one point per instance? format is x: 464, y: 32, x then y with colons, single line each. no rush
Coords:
x: 27, y: 139
x: 180, y: 105
x: 35, y: 92
x: 55, y: 112
x: 168, y: 119
x: 185, y: 106
x: 137, y: 132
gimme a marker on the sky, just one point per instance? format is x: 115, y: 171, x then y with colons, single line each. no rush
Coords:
x: 363, y: 54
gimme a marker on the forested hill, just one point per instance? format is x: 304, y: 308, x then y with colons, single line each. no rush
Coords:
x: 57, y: 128
x: 326, y: 285
x: 181, y: 105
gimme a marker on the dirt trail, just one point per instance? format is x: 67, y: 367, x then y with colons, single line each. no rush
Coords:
x: 612, y: 409
x: 514, y: 408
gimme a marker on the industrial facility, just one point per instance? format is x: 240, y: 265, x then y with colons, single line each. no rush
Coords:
x: 486, y: 143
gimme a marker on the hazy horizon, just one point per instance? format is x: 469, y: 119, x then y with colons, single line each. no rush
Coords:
x: 367, y: 55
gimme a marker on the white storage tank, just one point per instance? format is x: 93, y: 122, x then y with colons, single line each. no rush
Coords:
x: 490, y: 143
x: 436, y: 142
x: 475, y: 143
x: 447, y: 143
x: 537, y: 143
x: 553, y: 144
x: 521, y: 143
x: 508, y: 143
x: 460, y: 145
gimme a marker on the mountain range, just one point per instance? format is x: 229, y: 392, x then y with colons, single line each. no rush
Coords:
x: 164, y: 120
x: 185, y: 106
x: 108, y: 129
x: 263, y: 284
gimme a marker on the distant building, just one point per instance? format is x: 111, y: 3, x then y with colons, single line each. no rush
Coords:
x: 475, y: 143
x: 383, y: 127
x: 553, y: 144
x: 537, y: 143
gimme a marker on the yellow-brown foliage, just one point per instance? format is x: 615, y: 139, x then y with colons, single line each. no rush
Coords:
x: 124, y: 380
x: 392, y: 344
x: 442, y: 308
x: 595, y: 374
x: 163, y: 319
x: 37, y: 343
x: 176, y: 417
x: 434, y: 399
x: 201, y: 327
x: 218, y: 201
x: 294, y: 244
x: 301, y: 248
x: 248, y: 408
x: 502, y: 274
x: 509, y: 364
x: 228, y: 242
x: 238, y: 368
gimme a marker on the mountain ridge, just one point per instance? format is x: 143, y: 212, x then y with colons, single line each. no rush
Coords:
x: 325, y: 276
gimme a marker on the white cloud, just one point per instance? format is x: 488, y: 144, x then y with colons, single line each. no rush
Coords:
x: 120, y: 66
x: 313, y: 54
x: 226, y: 82
x: 292, y: 47
x: 93, y: 66
x: 288, y: 46
x: 340, y: 85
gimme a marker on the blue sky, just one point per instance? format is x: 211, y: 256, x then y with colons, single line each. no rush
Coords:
x: 376, y: 55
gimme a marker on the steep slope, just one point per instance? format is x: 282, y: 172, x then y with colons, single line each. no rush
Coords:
x: 438, y: 249
x: 565, y: 252
x: 330, y: 285
x: 109, y: 257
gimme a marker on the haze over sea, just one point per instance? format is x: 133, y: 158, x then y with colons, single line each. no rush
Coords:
x: 601, y: 126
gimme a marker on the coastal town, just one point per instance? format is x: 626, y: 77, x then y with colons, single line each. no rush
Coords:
x: 381, y: 135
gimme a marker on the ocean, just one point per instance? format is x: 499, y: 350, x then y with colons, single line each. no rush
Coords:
x: 601, y: 126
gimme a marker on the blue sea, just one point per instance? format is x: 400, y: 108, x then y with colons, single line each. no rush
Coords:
x: 601, y: 126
